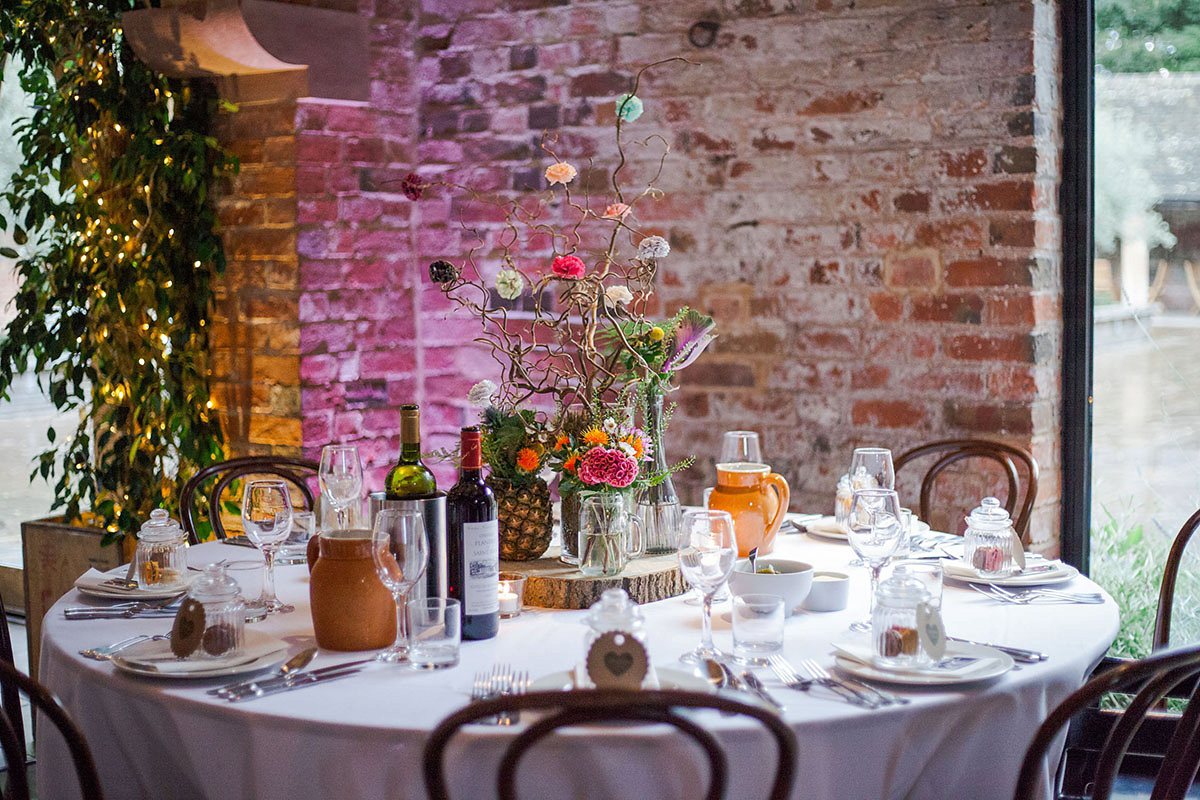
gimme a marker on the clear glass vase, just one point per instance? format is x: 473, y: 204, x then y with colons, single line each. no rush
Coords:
x: 657, y: 507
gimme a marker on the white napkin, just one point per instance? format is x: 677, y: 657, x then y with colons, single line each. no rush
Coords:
x: 828, y: 526
x: 93, y: 580
x: 1035, y: 567
x: 861, y: 652
x: 157, y: 656
x: 581, y: 680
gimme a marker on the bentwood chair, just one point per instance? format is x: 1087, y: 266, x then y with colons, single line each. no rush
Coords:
x: 12, y: 741
x: 1013, y: 461
x: 1166, y: 591
x: 10, y: 697
x: 1138, y: 740
x: 296, y: 471
x: 589, y: 707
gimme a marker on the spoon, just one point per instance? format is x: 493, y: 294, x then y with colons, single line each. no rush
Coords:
x: 715, y: 673
x: 293, y: 664
x: 753, y: 555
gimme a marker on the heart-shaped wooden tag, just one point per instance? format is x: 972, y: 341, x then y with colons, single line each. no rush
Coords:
x: 616, y: 660
x: 931, y: 632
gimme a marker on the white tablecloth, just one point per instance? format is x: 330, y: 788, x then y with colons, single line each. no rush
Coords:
x: 362, y: 737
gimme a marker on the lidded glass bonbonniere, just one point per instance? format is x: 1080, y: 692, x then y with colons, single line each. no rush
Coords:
x: 894, y: 627
x: 990, y: 540
x: 160, y: 560
x: 223, y: 631
x: 615, y: 654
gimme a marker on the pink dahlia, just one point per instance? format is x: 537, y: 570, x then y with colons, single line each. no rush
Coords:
x: 602, y: 465
x: 568, y: 267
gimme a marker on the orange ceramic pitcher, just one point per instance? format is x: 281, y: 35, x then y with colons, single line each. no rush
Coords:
x: 351, y: 608
x: 756, y: 498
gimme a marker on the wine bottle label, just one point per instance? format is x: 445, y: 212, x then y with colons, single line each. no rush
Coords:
x: 481, y: 560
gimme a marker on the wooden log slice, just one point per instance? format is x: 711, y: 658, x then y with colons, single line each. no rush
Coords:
x: 553, y: 584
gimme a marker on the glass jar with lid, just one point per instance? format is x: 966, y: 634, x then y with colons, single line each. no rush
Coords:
x: 990, y: 539
x: 224, y: 629
x: 160, y: 560
x: 894, y: 636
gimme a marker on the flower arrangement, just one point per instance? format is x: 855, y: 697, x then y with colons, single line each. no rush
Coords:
x: 514, y: 440
x: 584, y: 340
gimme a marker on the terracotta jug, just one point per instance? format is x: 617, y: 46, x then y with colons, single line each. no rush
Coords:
x: 351, y: 608
x: 756, y: 498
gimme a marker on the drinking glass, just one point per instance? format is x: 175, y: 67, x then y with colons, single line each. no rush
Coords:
x: 740, y: 446
x: 341, y: 478
x: 874, y: 533
x: 871, y: 468
x: 707, y: 551
x: 401, y: 553
x: 267, y: 521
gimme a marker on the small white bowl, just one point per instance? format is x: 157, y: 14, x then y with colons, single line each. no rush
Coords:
x: 830, y: 592
x: 791, y: 581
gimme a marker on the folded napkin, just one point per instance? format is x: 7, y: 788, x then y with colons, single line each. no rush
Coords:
x: 828, y: 526
x: 580, y: 679
x: 1036, y: 566
x: 861, y: 652
x: 157, y: 656
x: 93, y: 581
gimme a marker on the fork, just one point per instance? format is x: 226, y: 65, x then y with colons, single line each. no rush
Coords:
x: 822, y: 676
x: 1046, y: 593
x: 106, y: 652
x: 790, y: 678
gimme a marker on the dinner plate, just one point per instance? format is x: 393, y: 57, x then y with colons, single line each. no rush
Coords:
x: 91, y: 584
x: 992, y: 664
x: 155, y: 660
x: 961, y: 572
x: 825, y: 528
x: 667, y: 679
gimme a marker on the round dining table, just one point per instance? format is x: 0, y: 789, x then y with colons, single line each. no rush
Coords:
x: 362, y: 736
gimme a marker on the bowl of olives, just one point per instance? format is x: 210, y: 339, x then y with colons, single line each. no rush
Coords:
x: 785, y: 577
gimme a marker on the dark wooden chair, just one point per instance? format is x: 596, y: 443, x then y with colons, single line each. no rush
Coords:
x: 1166, y: 591
x: 296, y: 471
x: 588, y: 707
x: 10, y: 697
x: 12, y: 741
x: 1013, y: 461
x: 1137, y: 740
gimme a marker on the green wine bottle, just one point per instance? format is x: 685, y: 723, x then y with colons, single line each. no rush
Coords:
x: 410, y: 479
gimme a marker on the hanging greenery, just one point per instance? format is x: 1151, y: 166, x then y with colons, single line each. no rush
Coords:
x: 112, y: 211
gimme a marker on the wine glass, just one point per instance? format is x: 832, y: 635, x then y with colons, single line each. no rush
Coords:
x: 401, y: 553
x: 707, y: 551
x: 267, y: 521
x: 871, y: 468
x: 740, y: 446
x: 875, y: 532
x: 341, y: 478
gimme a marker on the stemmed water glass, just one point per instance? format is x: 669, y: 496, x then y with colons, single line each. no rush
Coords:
x: 401, y: 553
x: 874, y: 532
x: 341, y: 478
x: 267, y: 521
x: 871, y: 468
x: 707, y: 551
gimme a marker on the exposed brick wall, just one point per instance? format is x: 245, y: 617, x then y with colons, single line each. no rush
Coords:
x: 863, y: 194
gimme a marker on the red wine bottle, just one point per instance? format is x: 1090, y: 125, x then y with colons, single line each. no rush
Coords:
x: 473, y: 543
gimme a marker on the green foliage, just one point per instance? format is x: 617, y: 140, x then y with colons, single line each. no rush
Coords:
x: 111, y: 207
x: 1125, y: 190
x: 1128, y: 562
x: 514, y: 444
x: 1148, y: 35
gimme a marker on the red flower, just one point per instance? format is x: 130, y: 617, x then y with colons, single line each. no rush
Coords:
x: 601, y: 465
x: 412, y: 186
x: 568, y: 267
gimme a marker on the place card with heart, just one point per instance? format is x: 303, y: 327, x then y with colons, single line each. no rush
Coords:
x: 931, y: 631
x: 616, y: 660
x: 188, y: 629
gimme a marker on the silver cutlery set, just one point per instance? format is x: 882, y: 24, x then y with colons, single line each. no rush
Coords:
x: 1036, y: 594
x: 852, y: 692
x: 501, y: 681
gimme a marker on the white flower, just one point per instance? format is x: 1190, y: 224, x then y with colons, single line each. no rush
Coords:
x: 617, y: 295
x: 481, y: 394
x: 653, y: 247
x: 509, y: 284
x: 610, y: 425
x: 627, y: 449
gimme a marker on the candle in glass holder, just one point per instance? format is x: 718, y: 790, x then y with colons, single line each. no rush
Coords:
x: 512, y: 591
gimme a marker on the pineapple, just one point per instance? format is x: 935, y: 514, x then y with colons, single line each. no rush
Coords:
x: 525, y: 520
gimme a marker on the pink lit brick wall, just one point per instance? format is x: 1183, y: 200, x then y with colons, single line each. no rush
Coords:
x: 862, y: 193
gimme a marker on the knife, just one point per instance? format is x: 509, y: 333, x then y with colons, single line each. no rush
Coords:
x: 757, y: 687
x: 272, y: 680
x: 1023, y: 656
x: 297, y: 681
x: 115, y: 613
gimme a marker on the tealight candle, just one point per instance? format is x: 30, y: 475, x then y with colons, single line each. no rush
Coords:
x: 512, y: 593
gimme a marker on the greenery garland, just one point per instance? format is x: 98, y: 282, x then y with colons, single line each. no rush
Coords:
x: 113, y: 210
